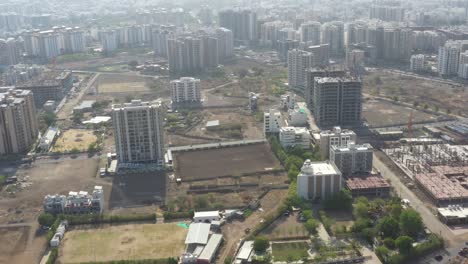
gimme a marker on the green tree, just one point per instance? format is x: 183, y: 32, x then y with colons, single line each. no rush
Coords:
x: 201, y: 202
x: 311, y: 225
x: 49, y: 118
x: 308, y: 214
x: 395, y: 210
x: 382, y: 252
x: 46, y: 219
x: 361, y: 209
x: 410, y: 222
x: 74, y: 151
x: 261, y: 244
x: 228, y: 260
x: 388, y: 226
x: 389, y: 243
x: 293, y: 172
x: 395, y: 98
x: 404, y: 244
x: 2, y: 179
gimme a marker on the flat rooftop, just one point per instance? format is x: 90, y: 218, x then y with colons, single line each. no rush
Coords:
x: 453, y: 212
x: 445, y: 182
x: 366, y: 182
x: 318, y: 168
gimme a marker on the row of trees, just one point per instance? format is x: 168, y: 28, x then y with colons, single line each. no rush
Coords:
x: 292, y: 158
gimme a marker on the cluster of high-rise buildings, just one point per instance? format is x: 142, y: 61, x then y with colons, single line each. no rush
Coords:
x: 52, y: 43
x: 453, y: 59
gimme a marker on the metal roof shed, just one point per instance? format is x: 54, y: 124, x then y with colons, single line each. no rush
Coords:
x: 210, y: 249
x: 198, y: 234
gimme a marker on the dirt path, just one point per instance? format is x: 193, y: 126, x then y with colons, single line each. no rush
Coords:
x: 233, y: 233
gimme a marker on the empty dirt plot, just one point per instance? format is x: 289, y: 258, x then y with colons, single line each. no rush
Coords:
x: 122, y: 242
x: 115, y: 83
x: 393, y: 114
x: 13, y: 241
x: 212, y: 163
x: 74, y: 139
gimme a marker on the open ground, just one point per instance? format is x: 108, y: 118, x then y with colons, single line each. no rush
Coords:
x: 422, y: 91
x: 21, y: 203
x: 114, y: 83
x: 120, y: 242
x: 384, y: 113
x: 14, y: 241
x: 71, y: 139
x: 193, y: 165
x: 286, y: 227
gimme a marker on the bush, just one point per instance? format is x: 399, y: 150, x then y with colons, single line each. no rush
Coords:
x: 46, y: 219
x: 53, y: 256
x: 311, y: 225
x: 177, y: 215
x: 404, y: 244
x: 389, y: 243
x: 261, y: 244
x: 105, y: 219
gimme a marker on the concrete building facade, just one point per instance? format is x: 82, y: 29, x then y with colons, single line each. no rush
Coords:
x: 417, y: 63
x: 352, y: 158
x: 318, y: 180
x: 139, y: 131
x: 18, y: 122
x: 337, y: 102
x: 185, y: 90
x: 298, y: 62
x: 335, y: 137
x: 294, y: 136
x: 271, y: 121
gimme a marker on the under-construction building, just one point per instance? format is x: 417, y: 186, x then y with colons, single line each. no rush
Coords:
x: 337, y: 102
x: 313, y: 73
x: 75, y: 202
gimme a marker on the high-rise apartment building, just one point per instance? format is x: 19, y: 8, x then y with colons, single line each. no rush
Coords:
x: 298, y: 62
x: 18, y: 123
x: 225, y: 44
x: 184, y: 54
x: 139, y: 131
x: 352, y: 159
x: 109, y: 41
x: 74, y: 41
x: 209, y: 51
x: 313, y: 73
x: 333, y: 35
x: 160, y: 38
x: 185, y: 90
x: 337, y: 102
x: 448, y: 59
x: 9, y: 52
x: 243, y: 24
x: 49, y: 44
x: 417, y: 63
x: 387, y: 12
x: 310, y: 32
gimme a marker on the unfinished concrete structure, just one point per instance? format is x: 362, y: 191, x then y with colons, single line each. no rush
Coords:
x: 337, y: 102
x: 75, y: 202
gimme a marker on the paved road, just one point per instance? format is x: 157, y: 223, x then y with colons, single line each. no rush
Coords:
x: 430, y: 220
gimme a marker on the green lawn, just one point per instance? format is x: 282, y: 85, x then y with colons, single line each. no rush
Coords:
x: 289, y: 251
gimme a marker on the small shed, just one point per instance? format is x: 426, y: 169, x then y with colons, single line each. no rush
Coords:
x: 206, y: 217
x: 55, y: 241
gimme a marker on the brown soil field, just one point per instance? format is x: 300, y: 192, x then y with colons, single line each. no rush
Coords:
x: 212, y: 163
x: 14, y: 241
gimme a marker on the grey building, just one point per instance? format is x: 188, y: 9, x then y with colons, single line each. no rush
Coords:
x: 337, y: 102
x: 313, y: 73
x: 184, y: 55
x: 18, y: 123
x: 298, y: 62
x: 139, y: 131
x: 243, y: 24
x: 352, y: 159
